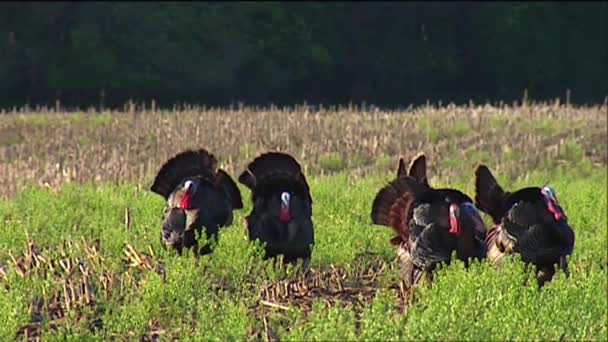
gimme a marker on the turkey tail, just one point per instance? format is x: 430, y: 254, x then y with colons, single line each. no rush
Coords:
x: 185, y: 164
x: 246, y: 178
x: 418, y: 168
x: 394, y: 206
x: 489, y: 196
x: 401, y: 170
x: 273, y: 170
x: 224, y: 180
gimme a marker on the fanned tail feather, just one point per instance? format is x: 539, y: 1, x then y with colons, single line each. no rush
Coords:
x: 394, y: 204
x: 225, y: 181
x: 417, y: 168
x: 401, y: 170
x: 489, y: 196
x: 273, y: 170
x: 185, y: 164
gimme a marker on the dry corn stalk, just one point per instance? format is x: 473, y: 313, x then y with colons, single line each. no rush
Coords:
x: 142, y: 260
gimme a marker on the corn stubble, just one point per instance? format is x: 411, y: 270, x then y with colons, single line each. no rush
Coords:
x: 53, y: 148
x: 80, y: 282
x: 82, y: 279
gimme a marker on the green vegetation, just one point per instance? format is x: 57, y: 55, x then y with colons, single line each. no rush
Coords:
x: 10, y: 138
x: 332, y: 162
x: 437, y: 128
x: 217, y: 297
x: 544, y: 126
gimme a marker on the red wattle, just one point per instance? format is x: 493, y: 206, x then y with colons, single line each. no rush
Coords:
x: 284, y: 215
x: 454, y: 227
x: 557, y: 215
x: 185, y: 203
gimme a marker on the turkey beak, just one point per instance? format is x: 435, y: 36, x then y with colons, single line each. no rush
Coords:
x: 454, y: 220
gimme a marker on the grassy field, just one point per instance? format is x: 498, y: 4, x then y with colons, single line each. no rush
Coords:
x: 79, y: 231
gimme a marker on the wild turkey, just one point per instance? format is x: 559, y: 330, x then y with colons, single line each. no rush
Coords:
x: 282, y: 206
x: 417, y: 170
x: 197, y: 195
x: 528, y: 221
x: 430, y: 223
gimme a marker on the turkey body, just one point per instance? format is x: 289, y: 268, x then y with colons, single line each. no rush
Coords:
x: 430, y: 223
x: 281, y: 216
x: 197, y: 196
x: 291, y: 239
x: 529, y: 222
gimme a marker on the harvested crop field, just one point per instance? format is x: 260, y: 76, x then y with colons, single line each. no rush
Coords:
x: 54, y: 148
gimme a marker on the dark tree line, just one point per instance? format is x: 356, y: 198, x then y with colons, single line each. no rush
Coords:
x: 387, y: 53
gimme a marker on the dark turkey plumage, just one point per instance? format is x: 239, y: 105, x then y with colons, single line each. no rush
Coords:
x: 529, y: 222
x: 417, y: 170
x: 197, y: 195
x: 423, y: 219
x: 281, y: 216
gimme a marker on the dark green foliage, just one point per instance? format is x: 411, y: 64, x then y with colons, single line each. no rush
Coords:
x: 216, y: 53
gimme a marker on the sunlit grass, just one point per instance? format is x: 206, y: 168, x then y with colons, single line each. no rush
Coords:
x: 216, y: 297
